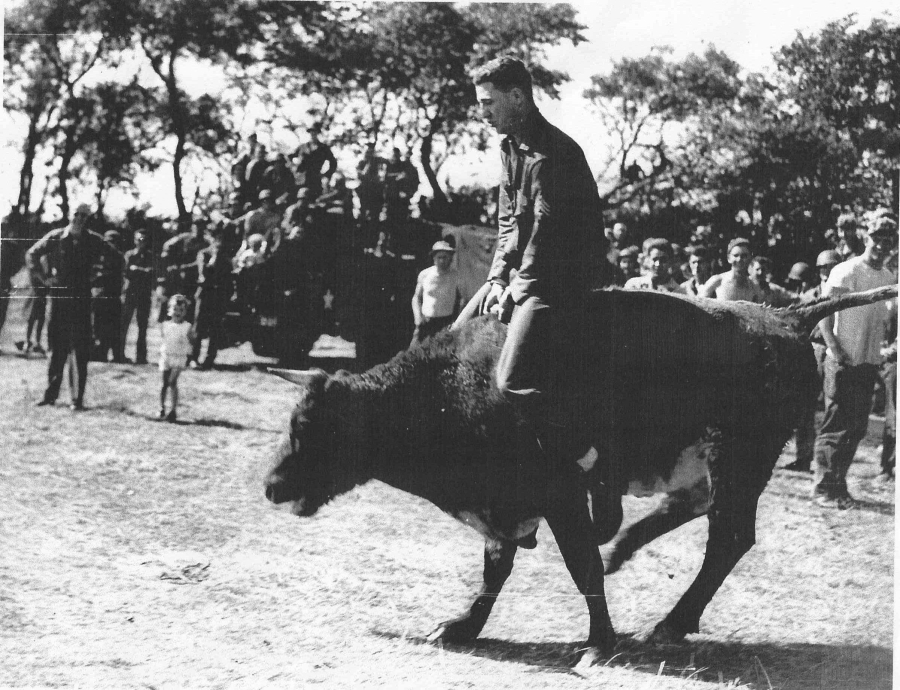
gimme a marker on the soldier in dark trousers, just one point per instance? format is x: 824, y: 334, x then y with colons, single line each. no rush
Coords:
x: 179, y: 256
x: 137, y: 294
x: 106, y: 304
x: 71, y: 253
x: 213, y: 293
x: 313, y: 161
x: 540, y: 275
x: 9, y: 255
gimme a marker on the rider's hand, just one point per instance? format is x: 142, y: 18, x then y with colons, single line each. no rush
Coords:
x: 505, y: 306
x: 493, y: 298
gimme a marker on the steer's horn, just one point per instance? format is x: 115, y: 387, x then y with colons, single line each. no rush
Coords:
x: 298, y: 376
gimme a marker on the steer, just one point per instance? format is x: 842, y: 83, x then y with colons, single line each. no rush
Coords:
x: 677, y: 394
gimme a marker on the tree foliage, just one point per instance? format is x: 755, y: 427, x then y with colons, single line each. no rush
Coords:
x: 775, y: 158
x: 400, y: 71
x: 50, y: 47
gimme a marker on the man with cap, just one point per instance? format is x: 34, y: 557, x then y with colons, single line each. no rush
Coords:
x: 854, y: 339
x: 106, y: 291
x: 825, y: 263
x: 71, y: 253
x: 799, y: 279
x: 437, y: 298
x: 264, y: 220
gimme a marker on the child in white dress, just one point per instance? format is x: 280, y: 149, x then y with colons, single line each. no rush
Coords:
x: 177, y: 342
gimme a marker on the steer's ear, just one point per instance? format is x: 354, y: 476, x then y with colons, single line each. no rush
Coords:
x: 300, y: 377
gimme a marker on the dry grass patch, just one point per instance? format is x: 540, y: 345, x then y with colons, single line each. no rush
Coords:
x: 142, y: 554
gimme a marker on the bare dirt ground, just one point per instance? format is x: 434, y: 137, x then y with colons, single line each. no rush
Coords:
x: 140, y: 554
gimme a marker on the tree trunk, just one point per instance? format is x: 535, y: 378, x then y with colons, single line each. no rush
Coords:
x: 441, y: 203
x: 26, y: 175
x: 179, y: 129
x: 70, y: 146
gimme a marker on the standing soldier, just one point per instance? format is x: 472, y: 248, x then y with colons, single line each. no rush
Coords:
x: 401, y: 180
x: 309, y: 160
x: 854, y: 339
x: 370, y: 192
x: 179, y: 256
x: 8, y: 267
x: 377, y: 339
x: 106, y: 290
x: 71, y: 253
x: 806, y: 430
x: 213, y: 292
x: 37, y: 311
x: 137, y: 294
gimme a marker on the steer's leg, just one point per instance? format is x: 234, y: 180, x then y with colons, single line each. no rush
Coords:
x: 676, y: 509
x: 568, y: 517
x: 498, y: 563
x: 739, y: 475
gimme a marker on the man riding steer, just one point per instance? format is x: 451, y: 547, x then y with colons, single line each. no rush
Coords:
x: 682, y: 395
x: 540, y: 273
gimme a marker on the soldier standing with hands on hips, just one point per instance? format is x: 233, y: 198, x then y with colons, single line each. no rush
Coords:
x: 71, y: 254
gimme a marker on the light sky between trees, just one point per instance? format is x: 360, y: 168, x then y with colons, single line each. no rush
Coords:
x: 748, y: 32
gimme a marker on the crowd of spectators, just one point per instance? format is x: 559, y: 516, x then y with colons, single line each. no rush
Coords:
x: 290, y: 218
x: 853, y: 349
x: 287, y: 223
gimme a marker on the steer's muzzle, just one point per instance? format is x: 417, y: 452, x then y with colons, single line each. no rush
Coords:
x: 277, y: 490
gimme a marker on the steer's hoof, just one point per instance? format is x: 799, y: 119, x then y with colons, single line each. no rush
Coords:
x: 453, y: 632
x: 665, y: 633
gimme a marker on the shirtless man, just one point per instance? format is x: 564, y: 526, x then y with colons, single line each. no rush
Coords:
x: 735, y: 284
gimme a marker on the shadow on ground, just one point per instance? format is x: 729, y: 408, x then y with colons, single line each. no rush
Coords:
x: 800, y: 666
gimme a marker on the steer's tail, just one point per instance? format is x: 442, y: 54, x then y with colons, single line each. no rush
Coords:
x: 808, y: 315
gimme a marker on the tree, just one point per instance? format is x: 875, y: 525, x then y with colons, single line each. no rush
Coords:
x: 775, y: 158
x: 120, y: 124
x: 655, y: 109
x: 49, y: 48
x: 401, y: 70
x: 218, y: 31
x: 851, y: 78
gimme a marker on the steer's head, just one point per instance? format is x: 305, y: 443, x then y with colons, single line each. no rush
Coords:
x: 311, y: 465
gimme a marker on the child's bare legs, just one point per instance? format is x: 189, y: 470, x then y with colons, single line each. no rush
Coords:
x: 162, y: 393
x: 173, y: 384
x: 169, y: 383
